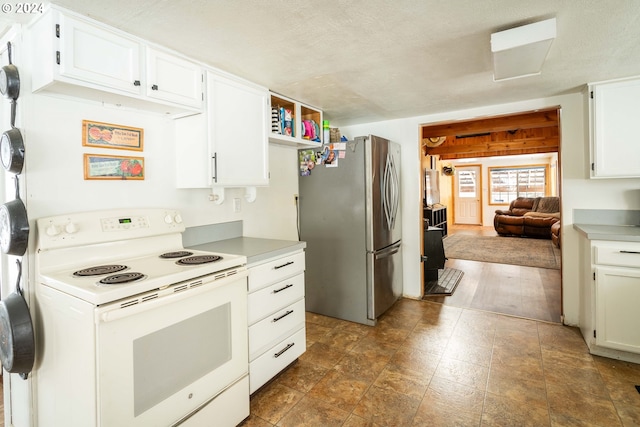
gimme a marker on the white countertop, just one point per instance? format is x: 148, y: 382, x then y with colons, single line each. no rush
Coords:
x: 255, y: 249
x: 622, y: 233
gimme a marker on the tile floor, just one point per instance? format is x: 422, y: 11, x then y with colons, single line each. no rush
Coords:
x: 428, y: 364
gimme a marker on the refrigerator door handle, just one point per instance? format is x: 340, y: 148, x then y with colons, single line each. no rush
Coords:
x: 387, y: 191
x: 391, y: 191
x: 391, y: 250
x: 395, y: 186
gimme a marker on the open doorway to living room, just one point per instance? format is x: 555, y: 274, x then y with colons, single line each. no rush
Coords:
x: 509, y: 164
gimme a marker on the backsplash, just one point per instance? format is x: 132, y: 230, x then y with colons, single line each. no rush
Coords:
x: 198, y: 235
x: 606, y: 216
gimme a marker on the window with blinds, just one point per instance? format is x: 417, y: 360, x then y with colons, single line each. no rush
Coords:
x: 508, y: 183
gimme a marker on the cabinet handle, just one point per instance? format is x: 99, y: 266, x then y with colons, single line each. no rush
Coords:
x: 630, y: 252
x: 278, y: 354
x: 136, y: 82
x: 215, y: 167
x: 275, y: 319
x: 283, y: 265
x: 282, y: 289
x: 154, y: 87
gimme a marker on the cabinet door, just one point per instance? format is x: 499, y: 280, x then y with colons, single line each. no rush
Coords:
x: 193, y: 168
x: 615, y: 108
x: 238, y: 132
x: 617, y: 314
x: 173, y: 79
x: 98, y: 56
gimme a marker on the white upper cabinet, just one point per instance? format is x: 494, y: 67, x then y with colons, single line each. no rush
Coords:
x: 80, y: 57
x: 238, y: 132
x: 98, y: 56
x: 173, y: 79
x: 227, y: 146
x: 614, y: 109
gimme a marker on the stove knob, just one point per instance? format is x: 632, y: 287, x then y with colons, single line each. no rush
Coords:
x: 70, y: 228
x: 178, y: 219
x: 53, y: 230
x: 168, y: 219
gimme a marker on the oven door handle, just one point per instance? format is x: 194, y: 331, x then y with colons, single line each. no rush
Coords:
x: 116, y: 312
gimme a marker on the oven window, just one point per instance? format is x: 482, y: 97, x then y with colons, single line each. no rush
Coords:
x: 166, y: 361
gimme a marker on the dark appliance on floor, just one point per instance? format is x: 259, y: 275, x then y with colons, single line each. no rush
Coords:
x: 434, y: 258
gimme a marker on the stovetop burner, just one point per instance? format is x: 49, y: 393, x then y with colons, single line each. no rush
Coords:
x: 176, y: 254
x: 99, y: 270
x: 198, y: 259
x: 118, y: 279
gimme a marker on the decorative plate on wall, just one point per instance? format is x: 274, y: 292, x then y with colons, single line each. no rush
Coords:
x: 435, y: 141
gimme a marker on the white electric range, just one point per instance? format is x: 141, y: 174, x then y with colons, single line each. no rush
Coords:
x: 134, y: 329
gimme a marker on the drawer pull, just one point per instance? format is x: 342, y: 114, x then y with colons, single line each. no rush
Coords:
x: 283, y: 265
x: 275, y: 319
x: 281, y: 352
x: 275, y: 291
x: 629, y: 252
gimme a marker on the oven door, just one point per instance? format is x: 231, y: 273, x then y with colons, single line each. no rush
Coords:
x: 161, y: 357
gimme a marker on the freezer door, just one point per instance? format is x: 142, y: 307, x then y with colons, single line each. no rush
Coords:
x: 385, y: 279
x: 383, y: 193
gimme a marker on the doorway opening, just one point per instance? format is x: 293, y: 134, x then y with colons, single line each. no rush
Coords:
x: 462, y: 153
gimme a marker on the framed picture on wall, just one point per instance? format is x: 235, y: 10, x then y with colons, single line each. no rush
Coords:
x: 108, y: 135
x: 100, y: 166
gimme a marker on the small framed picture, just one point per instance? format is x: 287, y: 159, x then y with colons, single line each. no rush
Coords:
x: 107, y: 135
x: 100, y: 166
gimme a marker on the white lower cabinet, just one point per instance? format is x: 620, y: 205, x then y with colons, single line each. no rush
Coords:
x: 611, y: 304
x: 267, y: 365
x: 617, y: 316
x: 276, y: 316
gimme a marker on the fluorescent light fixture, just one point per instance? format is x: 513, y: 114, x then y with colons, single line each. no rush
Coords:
x: 521, y: 51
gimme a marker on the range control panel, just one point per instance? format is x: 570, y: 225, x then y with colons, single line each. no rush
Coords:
x: 105, y: 226
x: 124, y: 223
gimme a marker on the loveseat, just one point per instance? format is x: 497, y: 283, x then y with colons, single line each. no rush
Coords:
x: 529, y: 216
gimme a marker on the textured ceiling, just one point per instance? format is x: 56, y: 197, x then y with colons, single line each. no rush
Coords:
x: 370, y: 60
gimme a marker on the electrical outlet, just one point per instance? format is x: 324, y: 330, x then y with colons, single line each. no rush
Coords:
x: 237, y: 207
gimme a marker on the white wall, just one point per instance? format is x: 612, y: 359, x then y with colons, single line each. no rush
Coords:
x: 56, y: 185
x: 577, y: 190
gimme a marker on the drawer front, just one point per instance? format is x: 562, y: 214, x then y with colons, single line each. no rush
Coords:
x: 274, y: 328
x: 624, y: 254
x: 275, y: 297
x: 276, y: 359
x: 274, y: 271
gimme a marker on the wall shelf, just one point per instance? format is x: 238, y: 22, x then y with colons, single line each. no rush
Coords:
x: 300, y: 112
x: 437, y: 216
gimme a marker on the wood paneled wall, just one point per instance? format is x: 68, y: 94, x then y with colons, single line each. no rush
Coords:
x: 522, y: 133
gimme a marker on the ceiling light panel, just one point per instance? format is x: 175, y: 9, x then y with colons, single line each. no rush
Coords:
x: 521, y: 51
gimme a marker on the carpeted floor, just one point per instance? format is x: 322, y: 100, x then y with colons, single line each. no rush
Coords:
x: 503, y: 250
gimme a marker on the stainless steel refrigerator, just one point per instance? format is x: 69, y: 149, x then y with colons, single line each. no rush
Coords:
x: 349, y: 216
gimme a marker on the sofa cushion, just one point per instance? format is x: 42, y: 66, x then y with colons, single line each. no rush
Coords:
x: 555, y: 233
x: 522, y: 205
x: 543, y: 215
x: 511, y: 219
x: 547, y: 205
